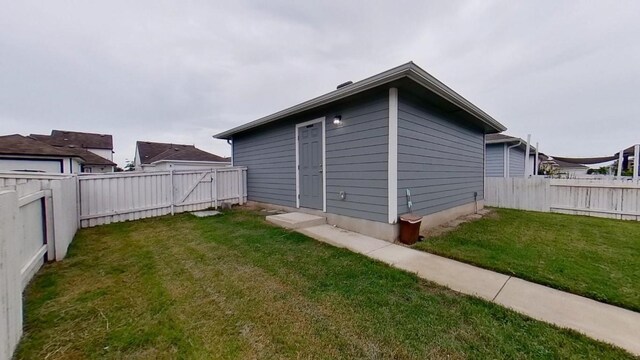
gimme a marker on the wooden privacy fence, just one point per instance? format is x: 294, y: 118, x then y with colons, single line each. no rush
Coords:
x: 618, y: 199
x: 129, y: 196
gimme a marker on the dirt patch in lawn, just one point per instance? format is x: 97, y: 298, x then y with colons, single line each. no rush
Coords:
x: 455, y: 223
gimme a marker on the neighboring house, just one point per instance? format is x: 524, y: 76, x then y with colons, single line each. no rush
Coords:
x: 24, y: 153
x: 154, y: 156
x: 575, y: 166
x: 560, y: 168
x: 353, y: 154
x: 570, y: 169
x: 504, y: 149
x: 546, y: 165
x: 95, y: 149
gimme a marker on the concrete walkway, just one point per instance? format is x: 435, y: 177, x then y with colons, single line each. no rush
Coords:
x: 600, y: 321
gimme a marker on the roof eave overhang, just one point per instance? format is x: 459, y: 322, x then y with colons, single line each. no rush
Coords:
x: 511, y: 141
x: 408, y: 70
x: 502, y: 141
x: 96, y: 164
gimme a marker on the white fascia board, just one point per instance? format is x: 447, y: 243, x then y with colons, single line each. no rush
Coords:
x: 513, y: 141
x: 505, y: 157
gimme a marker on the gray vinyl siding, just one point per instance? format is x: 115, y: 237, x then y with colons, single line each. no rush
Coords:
x: 269, y: 155
x: 440, y: 159
x: 356, y: 159
x: 516, y: 162
x: 495, y: 160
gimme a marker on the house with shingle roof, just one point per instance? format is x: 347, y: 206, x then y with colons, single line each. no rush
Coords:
x: 95, y: 149
x: 156, y: 156
x: 24, y: 153
x: 505, y: 156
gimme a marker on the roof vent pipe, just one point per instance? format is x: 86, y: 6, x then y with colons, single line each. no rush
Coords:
x: 344, y: 84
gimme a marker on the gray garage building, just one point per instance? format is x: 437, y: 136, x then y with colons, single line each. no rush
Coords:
x: 356, y: 153
x: 506, y: 157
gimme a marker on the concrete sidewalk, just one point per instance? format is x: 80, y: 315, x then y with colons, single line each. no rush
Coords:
x: 600, y: 321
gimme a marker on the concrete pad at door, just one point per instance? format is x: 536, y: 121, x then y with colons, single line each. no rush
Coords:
x: 296, y: 220
x: 597, y: 320
x: 453, y: 274
x: 347, y: 239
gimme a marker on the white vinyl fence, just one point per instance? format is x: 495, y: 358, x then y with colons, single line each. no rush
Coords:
x: 40, y: 214
x: 617, y: 199
x: 38, y: 219
x: 120, y: 197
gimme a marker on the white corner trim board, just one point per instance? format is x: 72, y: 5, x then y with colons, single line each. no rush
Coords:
x: 505, y: 157
x: 636, y: 163
x: 323, y: 121
x: 393, y: 157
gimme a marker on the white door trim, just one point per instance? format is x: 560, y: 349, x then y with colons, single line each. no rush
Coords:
x: 324, y: 161
x: 392, y: 160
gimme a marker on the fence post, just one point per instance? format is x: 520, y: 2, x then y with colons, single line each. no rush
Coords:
x: 78, y: 200
x: 548, y: 196
x: 244, y: 186
x: 239, y: 184
x: 10, y: 279
x: 172, y: 191
x: 636, y: 163
x: 620, y: 161
x: 215, y: 187
x: 527, y: 161
x: 49, y: 214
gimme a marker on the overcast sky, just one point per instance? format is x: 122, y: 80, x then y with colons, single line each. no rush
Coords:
x: 568, y: 72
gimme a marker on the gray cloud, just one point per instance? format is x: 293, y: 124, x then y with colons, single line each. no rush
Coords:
x: 564, y: 71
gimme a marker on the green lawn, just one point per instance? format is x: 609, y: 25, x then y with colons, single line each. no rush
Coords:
x: 235, y: 287
x: 594, y: 257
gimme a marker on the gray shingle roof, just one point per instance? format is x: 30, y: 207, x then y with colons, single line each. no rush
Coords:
x: 409, y: 70
x: 26, y: 145
x: 78, y: 139
x: 91, y: 158
x: 151, y: 152
x: 17, y: 144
